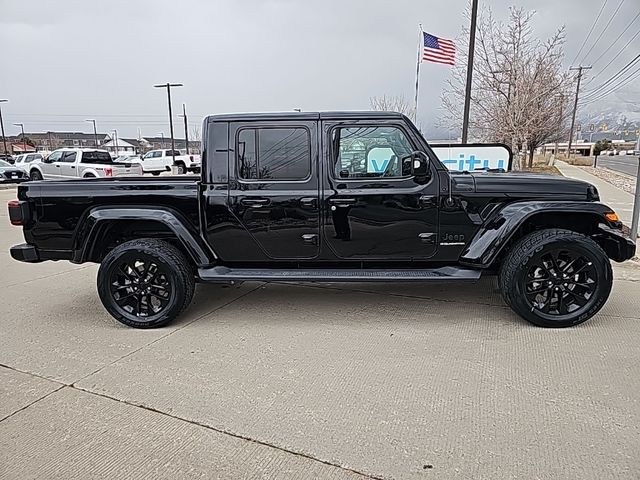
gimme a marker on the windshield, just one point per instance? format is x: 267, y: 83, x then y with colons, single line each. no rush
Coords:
x: 97, y: 157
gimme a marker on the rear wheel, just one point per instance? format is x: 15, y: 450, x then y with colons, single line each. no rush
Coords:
x: 155, y: 174
x: 181, y: 168
x: 145, y: 283
x: 35, y: 175
x: 556, y: 278
x: 89, y: 175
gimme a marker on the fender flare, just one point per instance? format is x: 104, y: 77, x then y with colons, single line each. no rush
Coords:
x: 92, y: 171
x: 92, y: 222
x: 491, y: 238
x: 33, y: 167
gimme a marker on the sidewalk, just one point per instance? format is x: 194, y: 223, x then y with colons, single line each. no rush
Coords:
x: 619, y: 200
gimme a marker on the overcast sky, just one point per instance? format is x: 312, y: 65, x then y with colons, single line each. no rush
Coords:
x: 67, y: 60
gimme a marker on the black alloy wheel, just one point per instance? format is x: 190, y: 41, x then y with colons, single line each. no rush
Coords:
x: 555, y: 278
x: 140, y: 286
x: 560, y: 282
x: 145, y: 283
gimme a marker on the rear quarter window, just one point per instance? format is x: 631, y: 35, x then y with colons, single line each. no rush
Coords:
x: 97, y: 157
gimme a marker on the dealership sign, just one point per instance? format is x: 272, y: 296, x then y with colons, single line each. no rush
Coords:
x: 474, y: 156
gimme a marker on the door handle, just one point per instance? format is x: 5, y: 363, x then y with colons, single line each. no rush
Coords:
x: 73, y: 166
x: 309, y: 202
x: 428, y: 200
x: 58, y: 166
x: 310, y: 238
x: 255, y: 202
x: 429, y: 238
x: 342, y: 202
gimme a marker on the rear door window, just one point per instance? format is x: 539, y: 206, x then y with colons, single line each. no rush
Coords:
x: 69, y: 157
x: 274, y: 154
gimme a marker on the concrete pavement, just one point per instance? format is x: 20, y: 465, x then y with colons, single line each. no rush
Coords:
x: 619, y: 200
x: 327, y: 381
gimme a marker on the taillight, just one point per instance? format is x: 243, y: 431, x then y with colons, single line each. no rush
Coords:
x: 18, y: 212
x: 191, y: 157
x: 108, y: 171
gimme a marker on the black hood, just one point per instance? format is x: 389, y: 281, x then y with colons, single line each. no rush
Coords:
x: 520, y: 184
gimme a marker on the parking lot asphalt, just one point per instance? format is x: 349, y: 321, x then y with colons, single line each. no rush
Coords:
x: 326, y: 381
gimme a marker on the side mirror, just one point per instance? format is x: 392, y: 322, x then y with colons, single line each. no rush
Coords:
x: 47, y: 160
x: 416, y: 163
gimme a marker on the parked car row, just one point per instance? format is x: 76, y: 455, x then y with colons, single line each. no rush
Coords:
x: 11, y: 174
x: 158, y: 161
x: 67, y: 163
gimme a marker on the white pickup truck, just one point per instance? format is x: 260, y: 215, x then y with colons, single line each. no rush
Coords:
x: 81, y: 163
x: 157, y: 161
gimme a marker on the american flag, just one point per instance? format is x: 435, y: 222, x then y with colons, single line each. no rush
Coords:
x: 438, y: 50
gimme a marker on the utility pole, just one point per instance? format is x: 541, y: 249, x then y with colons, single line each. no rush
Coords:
x: 4, y: 139
x: 168, y: 87
x: 575, y: 106
x: 467, y: 95
x: 186, y: 133
x: 21, y: 125
x: 162, y: 135
x: 95, y: 132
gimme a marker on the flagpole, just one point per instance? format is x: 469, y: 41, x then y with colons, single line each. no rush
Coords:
x: 420, y: 43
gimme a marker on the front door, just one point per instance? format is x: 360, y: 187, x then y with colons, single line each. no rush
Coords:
x: 274, y: 193
x: 52, y: 168
x: 374, y: 209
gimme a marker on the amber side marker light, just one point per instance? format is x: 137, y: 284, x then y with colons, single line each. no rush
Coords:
x: 612, y: 217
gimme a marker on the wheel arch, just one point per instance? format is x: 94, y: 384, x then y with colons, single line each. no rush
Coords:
x: 517, y: 219
x: 104, y: 227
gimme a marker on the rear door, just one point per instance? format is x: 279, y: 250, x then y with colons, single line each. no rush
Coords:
x: 68, y: 165
x: 275, y: 191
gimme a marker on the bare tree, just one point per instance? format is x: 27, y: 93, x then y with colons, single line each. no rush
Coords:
x: 393, y: 103
x: 195, y: 136
x: 520, y: 92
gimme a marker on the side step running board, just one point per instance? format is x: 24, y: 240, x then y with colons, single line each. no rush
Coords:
x: 437, y: 275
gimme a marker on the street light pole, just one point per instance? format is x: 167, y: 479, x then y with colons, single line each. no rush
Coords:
x: 21, y: 125
x: 186, y: 132
x: 168, y: 87
x: 115, y: 136
x: 472, y: 47
x: 95, y: 132
x: 4, y: 139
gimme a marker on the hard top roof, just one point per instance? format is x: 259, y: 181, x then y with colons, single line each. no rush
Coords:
x: 339, y: 115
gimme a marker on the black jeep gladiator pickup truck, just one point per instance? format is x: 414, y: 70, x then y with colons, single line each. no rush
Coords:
x: 326, y: 197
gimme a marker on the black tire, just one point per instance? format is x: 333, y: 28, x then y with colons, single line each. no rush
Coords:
x: 89, y: 175
x: 155, y: 174
x: 120, y: 272
x: 35, y: 175
x: 182, y: 169
x: 546, y: 270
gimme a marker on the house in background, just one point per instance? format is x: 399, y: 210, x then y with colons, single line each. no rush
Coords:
x: 120, y: 146
x: 52, y: 140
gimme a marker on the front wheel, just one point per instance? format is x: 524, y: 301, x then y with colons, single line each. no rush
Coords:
x: 145, y: 283
x: 35, y: 175
x: 556, y: 278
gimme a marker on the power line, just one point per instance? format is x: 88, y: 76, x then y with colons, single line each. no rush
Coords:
x: 614, y: 42
x: 603, y: 30
x: 613, y: 78
x: 622, y: 50
x: 615, y: 88
x: 590, y: 31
